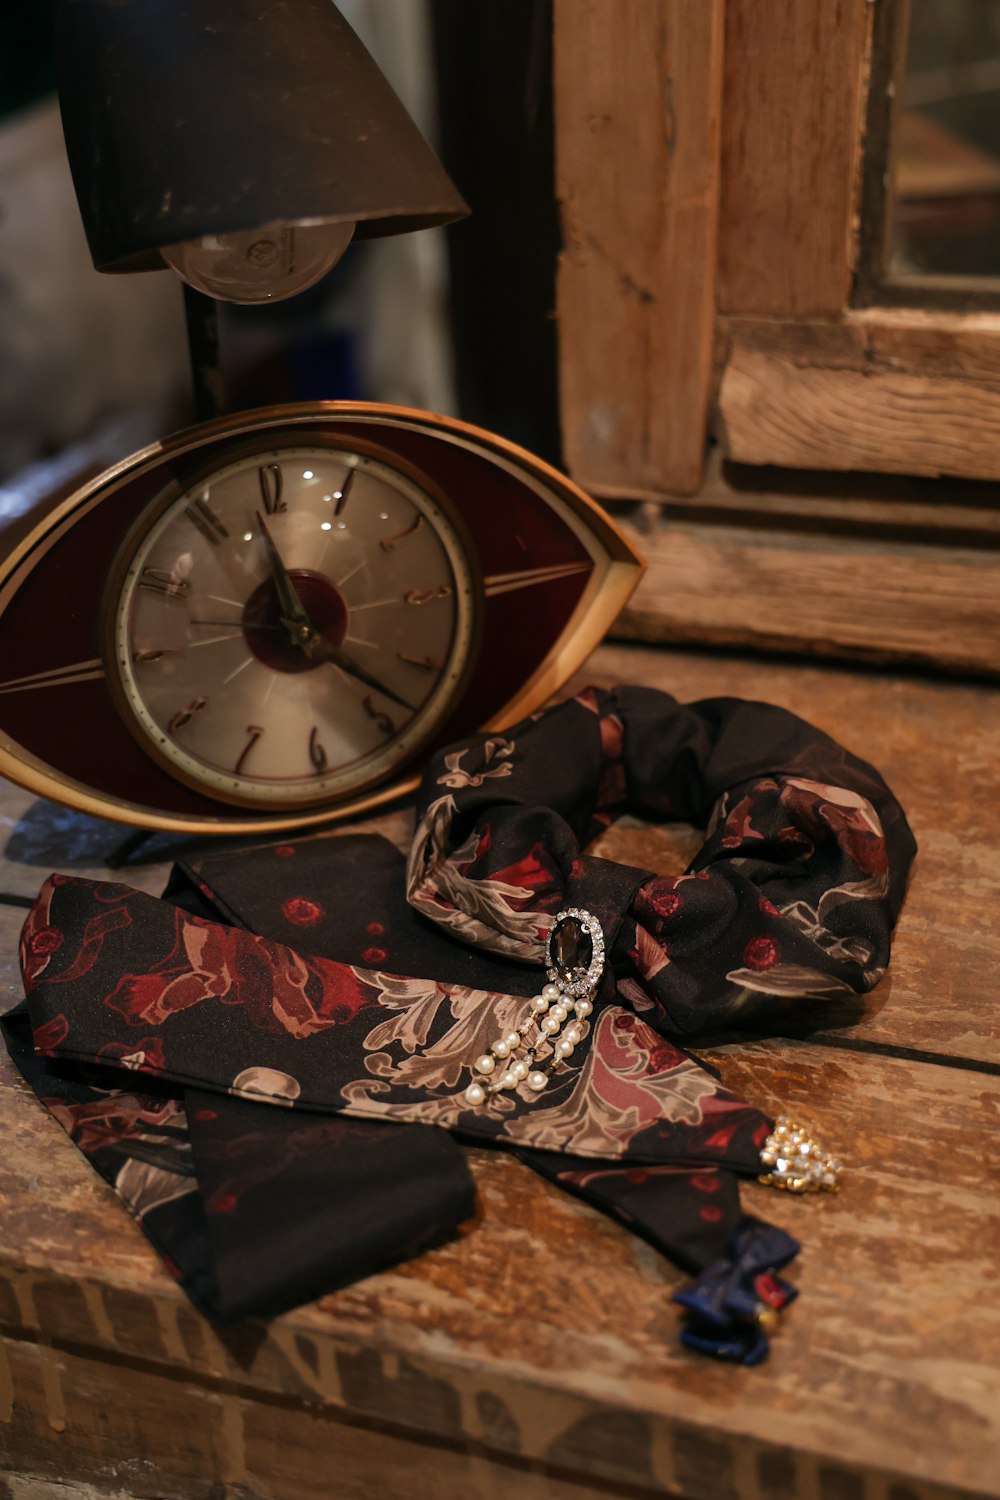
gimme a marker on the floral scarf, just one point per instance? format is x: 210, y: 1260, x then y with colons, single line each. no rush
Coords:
x: 323, y: 978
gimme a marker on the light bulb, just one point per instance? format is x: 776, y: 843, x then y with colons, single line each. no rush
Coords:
x: 259, y: 265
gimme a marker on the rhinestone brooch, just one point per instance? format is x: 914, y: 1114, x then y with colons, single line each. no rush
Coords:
x: 796, y: 1161
x: 574, y: 957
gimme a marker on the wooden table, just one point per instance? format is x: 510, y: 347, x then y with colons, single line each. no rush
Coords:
x: 446, y: 1377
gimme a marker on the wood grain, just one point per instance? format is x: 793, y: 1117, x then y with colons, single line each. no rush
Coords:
x: 144, y: 1433
x: 782, y: 587
x: 637, y: 86
x: 897, y: 1320
x: 880, y: 341
x: 955, y: 512
x: 897, y: 390
x: 791, y: 138
x: 782, y: 411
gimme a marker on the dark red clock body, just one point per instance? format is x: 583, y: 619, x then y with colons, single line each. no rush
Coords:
x: 540, y: 547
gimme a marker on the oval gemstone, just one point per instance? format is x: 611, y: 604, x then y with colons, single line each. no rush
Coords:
x: 572, y: 948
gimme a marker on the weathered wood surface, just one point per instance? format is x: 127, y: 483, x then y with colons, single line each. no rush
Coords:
x: 637, y: 85
x: 788, y: 586
x: 496, y: 1362
x: 898, y: 390
x: 791, y: 140
x: 958, y: 346
x: 779, y: 411
x: 888, y: 1368
x: 896, y: 507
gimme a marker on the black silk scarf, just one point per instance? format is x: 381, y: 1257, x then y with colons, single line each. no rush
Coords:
x: 325, y: 979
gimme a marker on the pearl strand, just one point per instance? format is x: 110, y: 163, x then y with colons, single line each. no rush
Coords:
x: 550, y: 1009
x: 574, y: 956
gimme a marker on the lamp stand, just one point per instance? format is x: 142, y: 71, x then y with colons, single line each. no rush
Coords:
x: 208, y: 383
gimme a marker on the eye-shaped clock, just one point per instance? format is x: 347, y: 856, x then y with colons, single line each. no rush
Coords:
x: 263, y: 622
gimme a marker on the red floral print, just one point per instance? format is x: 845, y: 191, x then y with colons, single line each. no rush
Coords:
x: 537, y: 871
x: 275, y: 985
x: 850, y: 818
x: 375, y: 929
x: 374, y: 955
x: 96, y: 932
x: 648, y: 955
x: 760, y: 953
x: 45, y: 941
x: 660, y: 897
x: 50, y: 1035
x: 302, y: 911
x: 100, y: 1123
x: 738, y: 827
x: 146, y: 1055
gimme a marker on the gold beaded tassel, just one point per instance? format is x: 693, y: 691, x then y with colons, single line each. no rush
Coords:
x: 797, y: 1162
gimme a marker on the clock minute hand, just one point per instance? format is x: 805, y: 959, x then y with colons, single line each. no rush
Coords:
x: 346, y: 664
x: 304, y: 633
x: 293, y: 614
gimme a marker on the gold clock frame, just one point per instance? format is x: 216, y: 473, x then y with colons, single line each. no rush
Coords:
x: 599, y: 606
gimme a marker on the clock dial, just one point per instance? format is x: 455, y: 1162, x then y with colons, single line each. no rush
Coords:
x: 292, y: 627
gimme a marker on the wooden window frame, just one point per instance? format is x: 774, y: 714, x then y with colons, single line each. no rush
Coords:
x: 710, y: 171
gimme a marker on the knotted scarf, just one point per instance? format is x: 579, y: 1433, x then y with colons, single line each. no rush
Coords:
x: 316, y: 977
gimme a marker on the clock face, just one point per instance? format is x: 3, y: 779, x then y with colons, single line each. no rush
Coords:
x: 293, y: 626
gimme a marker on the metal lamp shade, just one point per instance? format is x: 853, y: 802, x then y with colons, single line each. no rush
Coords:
x: 186, y: 118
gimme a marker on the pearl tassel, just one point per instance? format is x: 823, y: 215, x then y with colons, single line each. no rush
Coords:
x: 566, y: 998
x: 548, y: 1015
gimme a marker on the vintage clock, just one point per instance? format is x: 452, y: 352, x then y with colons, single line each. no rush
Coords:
x: 266, y: 621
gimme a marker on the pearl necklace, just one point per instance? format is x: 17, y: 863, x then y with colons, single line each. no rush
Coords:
x: 574, y: 956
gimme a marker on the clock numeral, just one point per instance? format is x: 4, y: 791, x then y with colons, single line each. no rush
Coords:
x: 425, y: 663
x: 254, y: 731
x: 271, y: 487
x: 159, y: 581
x: 381, y: 718
x: 207, y: 522
x: 425, y: 596
x: 317, y: 755
x: 387, y: 543
x: 147, y: 658
x: 343, y: 494
x: 185, y: 715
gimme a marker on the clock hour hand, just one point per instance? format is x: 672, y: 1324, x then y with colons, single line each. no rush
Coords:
x: 302, y: 631
x: 293, y: 614
x: 346, y: 664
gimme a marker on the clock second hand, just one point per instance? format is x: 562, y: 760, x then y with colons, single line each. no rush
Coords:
x: 303, y: 632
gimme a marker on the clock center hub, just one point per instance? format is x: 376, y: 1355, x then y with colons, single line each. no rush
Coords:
x: 269, y: 638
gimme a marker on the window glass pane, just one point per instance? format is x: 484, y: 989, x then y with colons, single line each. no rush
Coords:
x: 945, y: 212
